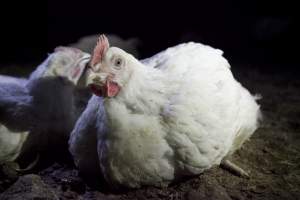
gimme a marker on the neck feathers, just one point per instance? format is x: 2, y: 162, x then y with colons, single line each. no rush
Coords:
x: 144, y: 91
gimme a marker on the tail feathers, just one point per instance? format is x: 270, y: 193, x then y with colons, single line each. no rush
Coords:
x: 249, y: 118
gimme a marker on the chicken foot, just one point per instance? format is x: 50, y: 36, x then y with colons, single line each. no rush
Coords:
x: 234, y: 169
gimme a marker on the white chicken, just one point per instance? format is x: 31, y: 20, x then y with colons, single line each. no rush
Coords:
x: 172, y: 115
x: 43, y: 109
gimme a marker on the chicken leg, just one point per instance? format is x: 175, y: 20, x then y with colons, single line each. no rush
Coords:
x: 234, y: 169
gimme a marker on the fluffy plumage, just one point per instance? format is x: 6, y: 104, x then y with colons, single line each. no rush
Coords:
x: 175, y: 114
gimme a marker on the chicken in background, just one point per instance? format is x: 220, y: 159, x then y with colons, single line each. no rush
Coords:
x: 43, y: 109
x: 175, y: 114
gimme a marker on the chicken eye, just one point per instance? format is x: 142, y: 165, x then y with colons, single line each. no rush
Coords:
x: 118, y: 63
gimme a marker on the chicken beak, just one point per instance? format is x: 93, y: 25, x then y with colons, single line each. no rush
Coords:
x: 95, y: 79
x: 102, y: 85
x: 94, y: 83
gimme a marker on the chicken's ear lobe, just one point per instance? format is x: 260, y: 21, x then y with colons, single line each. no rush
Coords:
x: 100, y: 49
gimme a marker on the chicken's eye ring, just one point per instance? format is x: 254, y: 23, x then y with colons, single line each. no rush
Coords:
x: 118, y: 63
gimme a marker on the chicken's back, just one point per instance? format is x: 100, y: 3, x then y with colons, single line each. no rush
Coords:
x: 207, y: 109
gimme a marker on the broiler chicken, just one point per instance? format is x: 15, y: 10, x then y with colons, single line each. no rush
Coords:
x: 43, y: 109
x: 175, y: 114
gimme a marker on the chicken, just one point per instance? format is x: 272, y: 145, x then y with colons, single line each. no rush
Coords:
x: 173, y: 115
x: 43, y: 109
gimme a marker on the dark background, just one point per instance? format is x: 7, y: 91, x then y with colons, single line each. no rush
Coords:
x: 249, y: 31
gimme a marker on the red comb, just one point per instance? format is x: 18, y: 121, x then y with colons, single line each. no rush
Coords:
x: 100, y: 49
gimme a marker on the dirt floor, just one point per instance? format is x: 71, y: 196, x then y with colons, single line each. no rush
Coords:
x: 271, y: 156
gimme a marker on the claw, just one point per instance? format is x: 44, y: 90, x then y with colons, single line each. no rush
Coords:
x: 234, y: 169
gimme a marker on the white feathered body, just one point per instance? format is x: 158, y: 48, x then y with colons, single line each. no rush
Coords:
x: 181, y: 113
